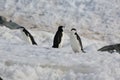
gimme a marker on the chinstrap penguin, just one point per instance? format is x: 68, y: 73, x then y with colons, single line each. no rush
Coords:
x: 75, y: 41
x: 58, y: 38
x: 27, y: 36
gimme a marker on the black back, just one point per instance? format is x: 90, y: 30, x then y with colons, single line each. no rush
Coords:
x: 80, y: 42
x: 29, y: 35
x: 57, y: 37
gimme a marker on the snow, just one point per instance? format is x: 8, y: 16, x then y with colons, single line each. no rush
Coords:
x: 96, y: 21
x: 22, y: 61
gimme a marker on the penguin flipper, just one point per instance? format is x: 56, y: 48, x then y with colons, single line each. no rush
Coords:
x: 80, y: 42
x: 32, y: 39
x: 27, y: 33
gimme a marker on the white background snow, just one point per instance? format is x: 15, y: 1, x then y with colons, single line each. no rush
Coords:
x: 97, y: 23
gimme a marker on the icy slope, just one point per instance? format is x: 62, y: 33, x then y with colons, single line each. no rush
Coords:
x: 20, y: 61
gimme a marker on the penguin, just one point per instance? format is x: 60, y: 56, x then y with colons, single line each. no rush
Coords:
x: 58, y: 38
x: 111, y: 48
x: 27, y: 36
x: 75, y: 41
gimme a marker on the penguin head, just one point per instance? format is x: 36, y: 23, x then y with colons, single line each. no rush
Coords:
x: 73, y: 30
x: 2, y: 19
x: 61, y: 27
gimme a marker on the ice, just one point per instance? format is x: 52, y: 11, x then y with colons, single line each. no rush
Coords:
x: 96, y: 21
x: 20, y: 61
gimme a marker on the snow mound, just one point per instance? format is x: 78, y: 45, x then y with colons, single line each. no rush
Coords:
x: 20, y: 61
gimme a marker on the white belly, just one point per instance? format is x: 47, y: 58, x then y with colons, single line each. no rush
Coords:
x: 74, y: 43
x: 62, y: 40
x: 26, y: 38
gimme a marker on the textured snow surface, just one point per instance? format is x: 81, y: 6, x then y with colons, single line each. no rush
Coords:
x: 97, y: 23
x: 22, y: 61
x: 91, y: 17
